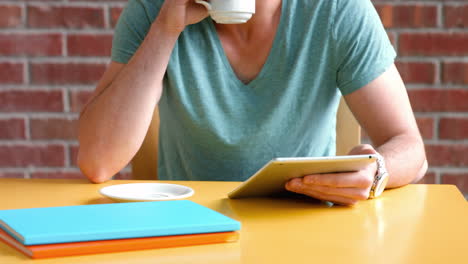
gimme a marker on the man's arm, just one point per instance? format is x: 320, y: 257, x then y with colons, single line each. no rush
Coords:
x: 115, y: 121
x: 383, y: 109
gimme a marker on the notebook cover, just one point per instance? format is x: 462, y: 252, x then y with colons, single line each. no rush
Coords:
x: 117, y: 245
x: 50, y: 225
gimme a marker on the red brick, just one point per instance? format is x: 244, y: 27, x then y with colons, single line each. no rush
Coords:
x: 456, y: 16
x: 433, y: 44
x: 54, y: 128
x: 429, y: 178
x: 114, y: 15
x: 57, y: 175
x: 417, y: 72
x: 73, y: 150
x: 13, y: 128
x: 89, y: 45
x: 453, y: 128
x: 455, y: 72
x: 447, y: 155
x: 439, y: 100
x: 78, y: 100
x: 414, y: 16
x: 46, y: 16
x: 11, y: 72
x: 458, y: 179
x: 66, y: 73
x: 29, y: 155
x: 11, y: 175
x: 10, y: 16
x: 426, y: 127
x: 392, y: 37
x: 31, y: 101
x: 386, y: 14
x: 30, y: 44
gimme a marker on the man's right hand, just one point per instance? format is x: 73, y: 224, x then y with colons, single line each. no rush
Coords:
x: 175, y: 15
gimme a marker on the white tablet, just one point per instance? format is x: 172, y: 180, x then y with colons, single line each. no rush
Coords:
x: 273, y: 176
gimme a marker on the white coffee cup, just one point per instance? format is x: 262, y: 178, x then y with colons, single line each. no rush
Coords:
x: 229, y: 11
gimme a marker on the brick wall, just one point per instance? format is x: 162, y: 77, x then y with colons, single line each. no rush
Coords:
x: 431, y: 38
x: 52, y: 52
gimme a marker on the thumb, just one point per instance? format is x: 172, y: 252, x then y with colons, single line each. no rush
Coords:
x: 362, y: 149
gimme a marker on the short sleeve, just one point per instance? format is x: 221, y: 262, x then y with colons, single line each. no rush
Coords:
x: 132, y: 27
x: 362, y: 48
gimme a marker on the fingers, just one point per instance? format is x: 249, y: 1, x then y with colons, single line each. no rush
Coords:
x: 359, y: 179
x: 194, y: 7
x: 346, y: 196
x: 332, y: 198
x: 358, y: 194
x: 342, y: 188
x: 298, y: 188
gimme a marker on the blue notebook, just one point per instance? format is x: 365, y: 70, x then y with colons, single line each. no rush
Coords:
x: 52, y: 225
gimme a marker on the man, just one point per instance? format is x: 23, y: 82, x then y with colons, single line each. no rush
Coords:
x: 231, y: 97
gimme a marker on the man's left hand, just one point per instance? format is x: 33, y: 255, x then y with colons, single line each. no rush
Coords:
x: 345, y: 188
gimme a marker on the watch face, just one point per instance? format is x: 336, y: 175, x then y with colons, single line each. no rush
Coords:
x: 381, y: 185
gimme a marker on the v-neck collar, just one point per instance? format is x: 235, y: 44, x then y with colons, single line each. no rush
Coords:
x: 271, y: 55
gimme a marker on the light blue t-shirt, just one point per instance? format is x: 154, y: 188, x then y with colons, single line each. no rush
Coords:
x: 215, y: 127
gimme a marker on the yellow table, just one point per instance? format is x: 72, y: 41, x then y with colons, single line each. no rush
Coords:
x: 414, y: 224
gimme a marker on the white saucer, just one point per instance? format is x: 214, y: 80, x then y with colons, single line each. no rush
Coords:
x: 142, y: 192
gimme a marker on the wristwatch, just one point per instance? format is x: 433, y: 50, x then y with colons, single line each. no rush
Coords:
x: 380, y: 179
